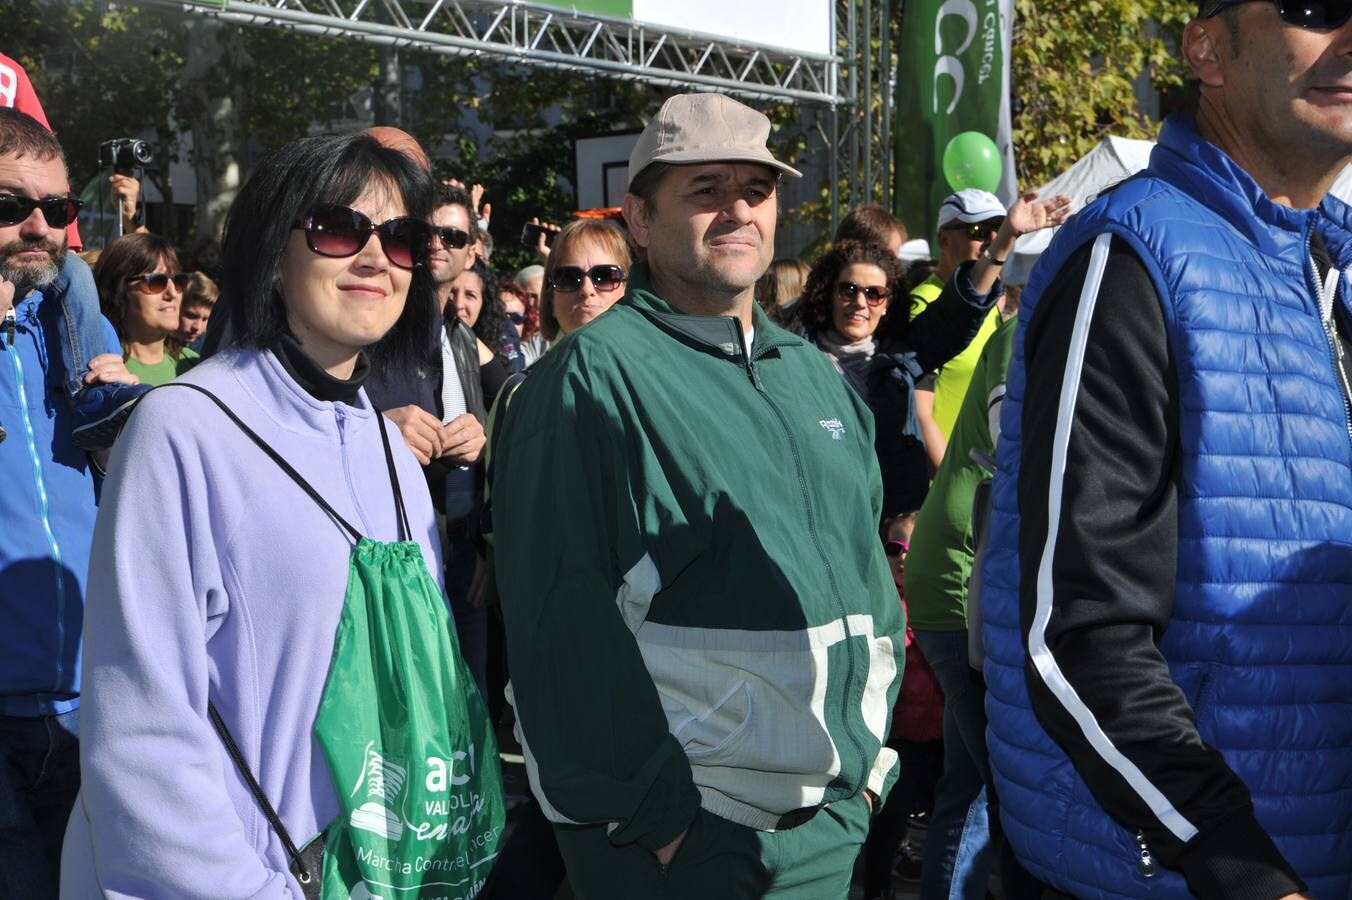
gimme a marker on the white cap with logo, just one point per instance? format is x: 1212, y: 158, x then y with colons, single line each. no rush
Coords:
x: 970, y: 206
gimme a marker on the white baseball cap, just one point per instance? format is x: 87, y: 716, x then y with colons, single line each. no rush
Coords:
x: 914, y: 250
x: 970, y: 206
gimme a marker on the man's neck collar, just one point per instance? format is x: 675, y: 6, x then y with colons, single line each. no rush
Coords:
x: 737, y: 306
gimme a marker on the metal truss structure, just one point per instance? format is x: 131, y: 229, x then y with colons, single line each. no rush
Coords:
x: 535, y: 34
x: 848, y: 94
x: 858, y: 135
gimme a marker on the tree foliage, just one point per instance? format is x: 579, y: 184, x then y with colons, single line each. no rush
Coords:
x: 529, y: 164
x: 108, y: 70
x: 1075, y: 67
x: 100, y: 73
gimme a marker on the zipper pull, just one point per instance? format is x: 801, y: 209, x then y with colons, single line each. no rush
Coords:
x: 1146, y: 864
x: 755, y: 375
x: 11, y: 321
x: 342, y: 420
x: 1328, y: 295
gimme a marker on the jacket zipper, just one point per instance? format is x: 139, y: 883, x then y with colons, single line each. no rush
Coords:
x: 44, y: 507
x: 750, y: 359
x: 1325, y: 296
x: 1146, y: 863
x: 341, y: 416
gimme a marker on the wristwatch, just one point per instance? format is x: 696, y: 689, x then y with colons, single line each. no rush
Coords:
x: 986, y: 255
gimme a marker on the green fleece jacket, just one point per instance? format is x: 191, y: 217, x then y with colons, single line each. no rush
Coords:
x: 698, y: 608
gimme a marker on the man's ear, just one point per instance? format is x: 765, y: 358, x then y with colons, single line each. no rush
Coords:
x: 1204, y: 41
x: 635, y: 212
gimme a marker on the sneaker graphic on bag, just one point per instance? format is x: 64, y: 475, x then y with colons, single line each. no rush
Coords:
x: 384, y: 780
x: 101, y: 410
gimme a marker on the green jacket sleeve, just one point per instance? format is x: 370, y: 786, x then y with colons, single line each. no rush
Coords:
x: 569, y: 556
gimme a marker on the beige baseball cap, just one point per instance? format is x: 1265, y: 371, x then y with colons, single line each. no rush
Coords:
x: 705, y: 128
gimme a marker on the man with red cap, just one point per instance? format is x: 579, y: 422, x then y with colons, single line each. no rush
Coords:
x: 100, y: 407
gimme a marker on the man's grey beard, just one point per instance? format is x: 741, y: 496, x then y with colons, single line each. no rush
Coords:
x: 28, y: 276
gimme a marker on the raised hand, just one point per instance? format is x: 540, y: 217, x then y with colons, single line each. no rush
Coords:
x: 547, y: 230
x: 1029, y: 214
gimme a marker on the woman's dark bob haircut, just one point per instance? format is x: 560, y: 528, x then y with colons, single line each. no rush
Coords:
x: 287, y: 184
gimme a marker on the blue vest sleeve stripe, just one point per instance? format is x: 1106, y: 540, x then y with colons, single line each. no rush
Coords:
x: 1038, y: 651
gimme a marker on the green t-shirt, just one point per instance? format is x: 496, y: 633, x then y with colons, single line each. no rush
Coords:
x: 165, y: 370
x: 940, y: 559
x: 950, y: 386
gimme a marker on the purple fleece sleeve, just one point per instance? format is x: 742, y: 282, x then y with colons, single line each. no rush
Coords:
x: 161, y: 820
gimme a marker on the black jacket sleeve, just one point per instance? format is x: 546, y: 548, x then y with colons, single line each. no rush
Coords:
x: 1108, y: 516
x: 944, y: 328
x: 493, y: 375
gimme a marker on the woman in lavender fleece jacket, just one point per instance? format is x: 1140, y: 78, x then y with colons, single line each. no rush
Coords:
x: 213, y: 575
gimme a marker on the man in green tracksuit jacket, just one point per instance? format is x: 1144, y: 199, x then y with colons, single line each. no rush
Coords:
x: 705, y: 643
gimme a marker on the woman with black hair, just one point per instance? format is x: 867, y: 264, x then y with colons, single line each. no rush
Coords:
x: 244, y: 506
x: 899, y: 350
x: 479, y: 305
x: 848, y: 292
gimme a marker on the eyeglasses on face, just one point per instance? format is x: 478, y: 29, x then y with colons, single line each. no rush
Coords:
x: 339, y: 231
x: 977, y: 231
x: 894, y: 549
x: 567, y: 279
x: 451, y: 238
x: 874, y: 296
x: 156, y: 282
x: 57, y: 211
x: 1319, y: 16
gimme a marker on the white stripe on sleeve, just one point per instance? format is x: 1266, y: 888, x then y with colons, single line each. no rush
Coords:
x: 1038, y: 650
x: 993, y: 404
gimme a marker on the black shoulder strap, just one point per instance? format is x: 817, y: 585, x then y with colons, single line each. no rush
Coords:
x: 302, y: 873
x: 286, y: 466
x: 401, y: 514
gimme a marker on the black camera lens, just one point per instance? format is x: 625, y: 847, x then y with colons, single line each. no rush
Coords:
x: 125, y: 154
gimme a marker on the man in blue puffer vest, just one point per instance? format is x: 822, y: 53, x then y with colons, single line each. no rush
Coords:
x: 1168, y: 595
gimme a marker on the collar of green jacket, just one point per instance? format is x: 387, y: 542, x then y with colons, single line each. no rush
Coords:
x: 718, y: 335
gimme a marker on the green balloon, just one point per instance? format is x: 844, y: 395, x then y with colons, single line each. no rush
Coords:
x: 971, y: 160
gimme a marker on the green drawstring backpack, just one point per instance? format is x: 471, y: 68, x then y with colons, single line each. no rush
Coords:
x: 408, y: 741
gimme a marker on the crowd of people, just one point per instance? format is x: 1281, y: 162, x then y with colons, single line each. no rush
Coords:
x: 779, y: 577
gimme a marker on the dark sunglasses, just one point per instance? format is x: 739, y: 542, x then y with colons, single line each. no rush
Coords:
x: 337, y: 231
x: 978, y: 231
x: 848, y: 290
x: 156, y: 282
x: 896, y: 548
x: 567, y: 279
x: 58, y: 211
x: 452, y: 238
x: 1321, y: 16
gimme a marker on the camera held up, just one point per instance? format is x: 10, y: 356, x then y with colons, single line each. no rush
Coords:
x: 124, y: 154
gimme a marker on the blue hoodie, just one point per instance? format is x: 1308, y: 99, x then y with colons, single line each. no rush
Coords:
x: 47, y: 507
